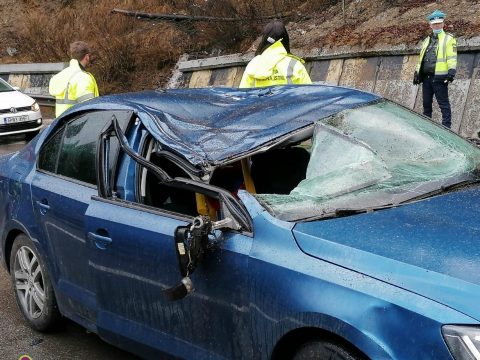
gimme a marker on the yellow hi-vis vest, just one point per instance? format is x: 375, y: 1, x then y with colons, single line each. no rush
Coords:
x: 72, y: 86
x: 274, y: 67
x: 446, y: 54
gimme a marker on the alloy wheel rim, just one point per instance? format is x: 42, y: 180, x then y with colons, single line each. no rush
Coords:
x: 29, y: 282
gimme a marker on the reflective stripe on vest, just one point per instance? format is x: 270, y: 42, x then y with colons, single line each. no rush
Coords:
x: 291, y: 66
x: 445, y: 39
x: 86, y: 97
x: 66, y: 102
x: 65, y: 98
x: 289, y: 75
x: 444, y: 48
x: 73, y: 102
x: 442, y: 61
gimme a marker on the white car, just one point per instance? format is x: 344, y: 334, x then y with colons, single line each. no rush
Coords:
x: 19, y: 113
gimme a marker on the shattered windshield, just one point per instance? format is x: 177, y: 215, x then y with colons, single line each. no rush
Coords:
x: 374, y: 156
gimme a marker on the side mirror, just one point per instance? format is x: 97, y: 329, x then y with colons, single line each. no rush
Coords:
x: 191, y: 243
x: 229, y: 221
x: 225, y: 224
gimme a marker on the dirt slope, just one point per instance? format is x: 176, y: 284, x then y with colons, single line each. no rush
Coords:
x: 369, y: 23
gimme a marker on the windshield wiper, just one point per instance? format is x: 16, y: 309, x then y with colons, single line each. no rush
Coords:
x: 442, y: 189
x: 341, y: 212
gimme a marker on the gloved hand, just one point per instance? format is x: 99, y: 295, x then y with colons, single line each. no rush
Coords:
x: 416, y: 78
x: 451, y: 75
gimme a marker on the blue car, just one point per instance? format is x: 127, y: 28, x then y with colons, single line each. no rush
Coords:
x: 294, y: 222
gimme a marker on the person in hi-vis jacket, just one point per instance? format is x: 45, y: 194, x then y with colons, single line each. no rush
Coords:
x: 437, y: 67
x: 273, y: 63
x: 74, y: 84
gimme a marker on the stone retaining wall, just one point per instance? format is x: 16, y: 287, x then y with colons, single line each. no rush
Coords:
x: 388, y: 73
x: 32, y: 79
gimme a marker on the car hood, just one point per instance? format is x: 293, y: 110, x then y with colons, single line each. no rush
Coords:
x: 430, y: 247
x: 15, y: 99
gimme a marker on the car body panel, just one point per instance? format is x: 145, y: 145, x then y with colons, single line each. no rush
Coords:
x: 392, y: 245
x: 15, y: 99
x: 282, y: 303
x: 112, y: 258
x: 19, y: 166
x: 141, y: 257
x: 59, y: 207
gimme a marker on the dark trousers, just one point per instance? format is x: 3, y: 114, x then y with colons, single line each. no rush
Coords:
x: 439, y: 88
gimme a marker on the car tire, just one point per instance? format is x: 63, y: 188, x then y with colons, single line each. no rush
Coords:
x: 32, y: 286
x: 323, y: 350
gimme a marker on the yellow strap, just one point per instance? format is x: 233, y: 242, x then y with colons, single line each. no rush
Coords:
x: 247, y: 176
x: 203, y: 206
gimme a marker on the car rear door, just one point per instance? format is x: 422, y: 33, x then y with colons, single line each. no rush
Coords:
x: 62, y: 187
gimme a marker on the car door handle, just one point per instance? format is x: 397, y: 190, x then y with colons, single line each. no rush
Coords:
x: 43, y: 205
x: 101, y: 242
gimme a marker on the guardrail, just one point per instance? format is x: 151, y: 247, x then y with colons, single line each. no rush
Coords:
x: 44, y: 100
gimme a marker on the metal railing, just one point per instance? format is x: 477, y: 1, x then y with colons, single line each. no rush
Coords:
x: 43, y: 100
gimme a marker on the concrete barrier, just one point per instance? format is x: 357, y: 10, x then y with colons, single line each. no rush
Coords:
x: 33, y: 79
x: 387, y: 72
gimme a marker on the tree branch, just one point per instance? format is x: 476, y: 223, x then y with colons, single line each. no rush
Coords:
x: 175, y: 17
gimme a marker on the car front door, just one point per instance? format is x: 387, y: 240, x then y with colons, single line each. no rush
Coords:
x: 134, y: 261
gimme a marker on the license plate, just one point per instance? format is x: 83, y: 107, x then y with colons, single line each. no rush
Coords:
x: 16, y: 119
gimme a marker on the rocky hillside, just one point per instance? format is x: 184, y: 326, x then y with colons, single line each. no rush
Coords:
x: 366, y: 23
x: 133, y: 53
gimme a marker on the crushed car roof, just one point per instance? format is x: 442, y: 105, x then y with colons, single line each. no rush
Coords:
x: 217, y: 124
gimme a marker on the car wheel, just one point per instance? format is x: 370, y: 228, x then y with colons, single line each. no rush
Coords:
x: 31, y: 285
x: 323, y: 350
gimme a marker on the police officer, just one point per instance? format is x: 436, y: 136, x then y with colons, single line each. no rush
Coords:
x: 74, y: 84
x: 273, y: 63
x: 436, y: 67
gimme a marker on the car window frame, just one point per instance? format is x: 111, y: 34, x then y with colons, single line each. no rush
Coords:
x: 146, y: 142
x: 187, y: 183
x: 61, y: 127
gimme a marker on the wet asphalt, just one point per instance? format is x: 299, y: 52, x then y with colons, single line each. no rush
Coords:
x: 69, y: 341
x: 11, y: 143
